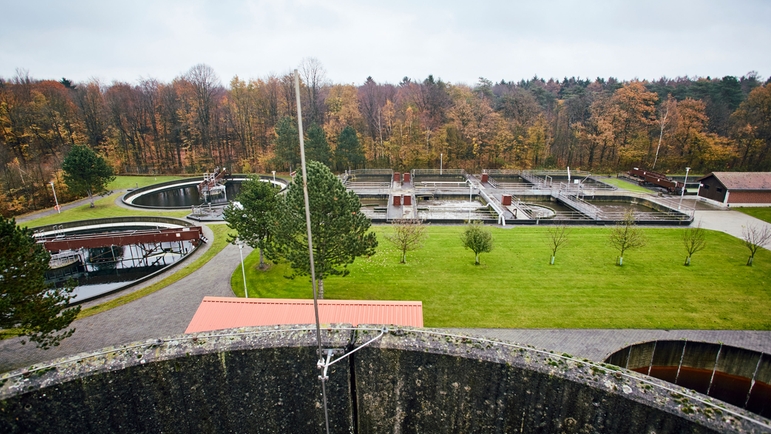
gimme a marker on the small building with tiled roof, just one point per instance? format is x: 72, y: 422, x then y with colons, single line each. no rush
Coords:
x: 218, y: 313
x: 737, y: 187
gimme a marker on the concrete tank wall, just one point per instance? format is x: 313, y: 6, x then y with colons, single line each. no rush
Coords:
x: 265, y: 380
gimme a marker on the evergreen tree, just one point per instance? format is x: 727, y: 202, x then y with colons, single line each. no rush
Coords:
x: 287, y: 144
x: 338, y: 227
x: 316, y: 145
x: 27, y: 303
x: 349, y: 152
x: 249, y: 215
x: 86, y: 172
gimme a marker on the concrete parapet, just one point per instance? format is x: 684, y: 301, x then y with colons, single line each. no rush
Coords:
x: 409, y: 380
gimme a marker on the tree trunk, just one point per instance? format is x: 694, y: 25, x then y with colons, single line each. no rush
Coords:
x: 262, y: 259
x: 552, y: 260
x: 91, y: 198
x: 476, y: 259
x: 749, y: 261
x: 321, y: 289
x: 620, y: 261
x: 687, y: 261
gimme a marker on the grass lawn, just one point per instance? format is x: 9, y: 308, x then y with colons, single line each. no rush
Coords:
x: 125, y: 182
x: 762, y: 213
x: 103, y: 207
x: 625, y: 185
x: 516, y: 288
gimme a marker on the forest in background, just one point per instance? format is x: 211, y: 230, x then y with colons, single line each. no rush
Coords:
x: 195, y: 123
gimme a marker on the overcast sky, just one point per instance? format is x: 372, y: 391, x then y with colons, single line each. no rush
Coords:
x: 458, y: 41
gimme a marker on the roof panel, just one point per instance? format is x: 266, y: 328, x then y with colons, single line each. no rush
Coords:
x: 743, y: 180
x: 216, y: 313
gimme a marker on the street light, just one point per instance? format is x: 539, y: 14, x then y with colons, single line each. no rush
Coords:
x: 682, y: 192
x: 440, y: 162
x: 58, y: 208
x: 241, y: 253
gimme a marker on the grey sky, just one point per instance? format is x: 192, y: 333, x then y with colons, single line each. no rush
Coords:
x: 458, y: 41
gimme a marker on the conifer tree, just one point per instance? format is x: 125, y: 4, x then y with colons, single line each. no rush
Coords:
x: 287, y: 144
x: 338, y: 227
x: 250, y: 215
x: 349, y: 152
x: 27, y: 302
x: 86, y: 172
x: 316, y: 145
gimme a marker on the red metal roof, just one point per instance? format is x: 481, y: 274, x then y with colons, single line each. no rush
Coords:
x: 217, y: 313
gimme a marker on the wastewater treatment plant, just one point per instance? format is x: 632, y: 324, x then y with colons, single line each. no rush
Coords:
x: 392, y: 379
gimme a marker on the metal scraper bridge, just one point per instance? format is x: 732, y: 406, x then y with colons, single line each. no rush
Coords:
x: 59, y: 242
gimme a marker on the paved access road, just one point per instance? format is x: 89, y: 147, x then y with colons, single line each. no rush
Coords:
x: 168, y: 311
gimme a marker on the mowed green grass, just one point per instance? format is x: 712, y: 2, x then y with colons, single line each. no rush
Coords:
x: 625, y: 185
x: 515, y: 287
x: 104, y: 207
x: 762, y: 213
x: 125, y: 182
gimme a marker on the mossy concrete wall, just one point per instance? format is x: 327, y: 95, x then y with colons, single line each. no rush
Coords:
x: 265, y: 380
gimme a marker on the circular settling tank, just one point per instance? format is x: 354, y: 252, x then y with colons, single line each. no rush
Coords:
x: 98, y: 257
x: 186, y: 193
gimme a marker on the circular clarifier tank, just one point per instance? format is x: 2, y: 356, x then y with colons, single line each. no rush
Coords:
x: 103, y: 256
x: 184, y: 194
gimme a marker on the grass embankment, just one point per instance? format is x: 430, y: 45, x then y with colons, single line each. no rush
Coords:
x: 762, y: 213
x: 104, y: 206
x: 126, y: 182
x: 625, y: 185
x: 516, y: 288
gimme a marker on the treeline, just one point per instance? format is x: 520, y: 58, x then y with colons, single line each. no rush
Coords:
x: 194, y: 124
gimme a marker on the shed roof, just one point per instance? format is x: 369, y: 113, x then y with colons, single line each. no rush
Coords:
x: 216, y: 313
x: 743, y: 180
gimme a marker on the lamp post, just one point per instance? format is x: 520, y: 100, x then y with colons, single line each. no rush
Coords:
x: 58, y: 208
x: 682, y: 192
x: 440, y: 162
x: 241, y: 253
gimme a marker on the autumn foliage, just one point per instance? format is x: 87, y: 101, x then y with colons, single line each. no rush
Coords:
x: 195, y: 123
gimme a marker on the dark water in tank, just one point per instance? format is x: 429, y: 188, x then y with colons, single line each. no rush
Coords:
x: 183, y: 196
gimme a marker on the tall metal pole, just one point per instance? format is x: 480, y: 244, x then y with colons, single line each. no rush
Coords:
x: 241, y: 253
x: 682, y: 192
x: 310, y: 240
x: 440, y: 162
x: 58, y: 208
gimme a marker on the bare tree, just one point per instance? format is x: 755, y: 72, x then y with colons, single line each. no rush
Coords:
x: 408, y: 235
x: 207, y: 86
x: 558, y: 237
x: 754, y: 238
x: 314, y: 77
x: 626, y: 236
x: 694, y: 240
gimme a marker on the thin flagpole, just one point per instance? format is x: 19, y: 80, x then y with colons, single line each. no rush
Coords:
x: 310, y: 243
